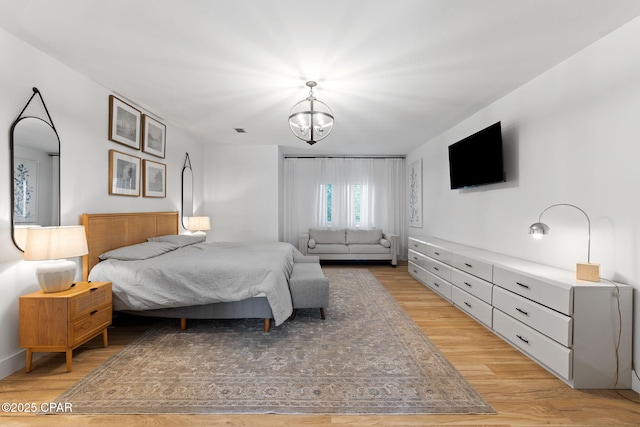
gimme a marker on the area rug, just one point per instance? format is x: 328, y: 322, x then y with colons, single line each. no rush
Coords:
x: 367, y: 357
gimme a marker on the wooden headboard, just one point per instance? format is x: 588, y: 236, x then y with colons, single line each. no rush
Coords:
x: 110, y: 231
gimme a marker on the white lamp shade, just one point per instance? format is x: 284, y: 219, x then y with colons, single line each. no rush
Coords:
x: 198, y: 223
x: 47, y: 243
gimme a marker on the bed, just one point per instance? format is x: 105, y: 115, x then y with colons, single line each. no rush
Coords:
x: 264, y: 292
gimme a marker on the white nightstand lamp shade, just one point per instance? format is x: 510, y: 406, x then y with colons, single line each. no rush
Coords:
x: 54, y: 244
x: 198, y: 224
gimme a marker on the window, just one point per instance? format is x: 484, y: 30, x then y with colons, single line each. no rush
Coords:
x: 354, y: 202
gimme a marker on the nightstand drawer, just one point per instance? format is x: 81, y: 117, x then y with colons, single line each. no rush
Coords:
x: 98, y: 294
x: 549, y: 322
x: 90, y: 325
x: 551, y: 354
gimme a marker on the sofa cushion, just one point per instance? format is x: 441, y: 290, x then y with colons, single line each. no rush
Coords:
x: 327, y: 236
x: 311, y: 244
x: 328, y: 248
x: 363, y: 236
x: 368, y: 249
x: 385, y: 243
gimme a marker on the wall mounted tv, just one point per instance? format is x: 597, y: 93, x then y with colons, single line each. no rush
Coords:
x: 477, y: 159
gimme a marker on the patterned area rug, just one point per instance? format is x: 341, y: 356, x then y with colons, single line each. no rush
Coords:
x: 367, y: 357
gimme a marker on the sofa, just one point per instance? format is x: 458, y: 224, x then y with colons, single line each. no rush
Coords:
x: 349, y: 244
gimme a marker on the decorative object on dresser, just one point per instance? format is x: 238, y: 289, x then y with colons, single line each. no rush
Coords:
x: 584, y: 271
x: 53, y: 245
x: 578, y: 330
x: 198, y: 224
x: 63, y: 321
x: 124, y: 123
x: 310, y: 119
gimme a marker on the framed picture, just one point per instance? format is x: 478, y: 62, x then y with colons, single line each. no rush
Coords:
x: 25, y: 191
x: 415, y: 194
x: 124, y: 123
x: 124, y: 174
x: 153, y: 136
x: 155, y: 179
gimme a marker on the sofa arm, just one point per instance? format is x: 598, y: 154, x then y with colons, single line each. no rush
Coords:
x: 303, y: 243
x: 395, y: 244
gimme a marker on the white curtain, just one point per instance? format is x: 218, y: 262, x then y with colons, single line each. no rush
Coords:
x: 365, y: 193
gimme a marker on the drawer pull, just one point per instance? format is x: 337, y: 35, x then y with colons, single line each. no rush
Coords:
x: 523, y: 339
x: 467, y: 304
x: 523, y: 285
x: 468, y: 284
x: 437, y: 253
x: 468, y: 265
x: 415, y: 271
x: 93, y: 289
x: 93, y: 312
x: 436, y: 268
x: 437, y: 285
x: 415, y: 257
x: 522, y: 311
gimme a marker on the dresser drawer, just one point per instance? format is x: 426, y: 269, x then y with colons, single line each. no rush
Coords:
x: 417, y: 271
x: 472, y: 284
x: 438, y: 285
x: 551, y: 323
x: 438, y: 268
x: 417, y: 258
x: 86, y: 302
x: 91, y: 324
x: 547, y: 293
x: 417, y: 245
x: 472, y: 305
x: 473, y: 266
x: 548, y: 352
x: 439, y: 253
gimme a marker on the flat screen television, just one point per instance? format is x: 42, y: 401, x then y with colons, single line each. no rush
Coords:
x: 477, y: 159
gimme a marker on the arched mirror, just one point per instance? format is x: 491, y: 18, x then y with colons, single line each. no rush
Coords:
x: 35, y: 166
x: 187, y: 190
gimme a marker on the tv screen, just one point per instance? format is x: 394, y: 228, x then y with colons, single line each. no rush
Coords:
x: 477, y: 159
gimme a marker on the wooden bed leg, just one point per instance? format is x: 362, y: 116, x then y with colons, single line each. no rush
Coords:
x: 267, y: 324
x: 322, y: 313
x: 183, y: 324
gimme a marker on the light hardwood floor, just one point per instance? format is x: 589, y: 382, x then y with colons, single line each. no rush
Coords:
x: 522, y: 393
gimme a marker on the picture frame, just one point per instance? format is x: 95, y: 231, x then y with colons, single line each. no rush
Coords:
x: 154, y: 136
x: 155, y: 179
x: 415, y: 194
x: 124, y: 174
x: 124, y: 123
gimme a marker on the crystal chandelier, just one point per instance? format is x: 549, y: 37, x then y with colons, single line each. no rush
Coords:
x: 311, y: 120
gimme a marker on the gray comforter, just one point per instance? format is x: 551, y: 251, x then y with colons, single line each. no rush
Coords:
x: 202, y: 273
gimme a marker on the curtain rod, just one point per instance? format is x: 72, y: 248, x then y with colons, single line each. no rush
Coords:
x: 294, y: 156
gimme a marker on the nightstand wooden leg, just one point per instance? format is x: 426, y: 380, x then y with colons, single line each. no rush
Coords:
x: 105, y: 338
x: 69, y: 358
x: 29, y: 359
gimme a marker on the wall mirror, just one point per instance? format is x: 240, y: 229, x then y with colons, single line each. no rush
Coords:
x: 35, y: 178
x: 187, y: 190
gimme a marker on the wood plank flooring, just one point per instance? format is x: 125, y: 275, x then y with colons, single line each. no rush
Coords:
x: 520, y: 391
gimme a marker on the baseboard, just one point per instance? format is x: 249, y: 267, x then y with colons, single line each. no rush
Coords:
x: 15, y: 363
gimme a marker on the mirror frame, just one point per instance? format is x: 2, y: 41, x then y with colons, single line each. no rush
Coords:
x: 12, y: 155
x: 186, y: 165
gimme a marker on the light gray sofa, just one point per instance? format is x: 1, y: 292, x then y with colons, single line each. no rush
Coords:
x: 349, y: 244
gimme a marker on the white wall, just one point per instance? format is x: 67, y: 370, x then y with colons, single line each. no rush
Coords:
x: 572, y: 135
x: 79, y: 109
x: 241, y: 192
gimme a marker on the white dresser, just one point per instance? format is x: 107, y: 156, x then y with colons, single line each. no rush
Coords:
x: 570, y: 327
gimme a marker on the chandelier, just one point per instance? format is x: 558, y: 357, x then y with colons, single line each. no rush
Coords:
x: 311, y: 120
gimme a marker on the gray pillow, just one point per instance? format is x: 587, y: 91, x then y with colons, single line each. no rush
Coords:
x: 179, y: 239
x: 139, y: 252
x: 363, y: 237
x: 327, y: 236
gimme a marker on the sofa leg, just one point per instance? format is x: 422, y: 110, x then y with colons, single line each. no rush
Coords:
x: 322, y: 313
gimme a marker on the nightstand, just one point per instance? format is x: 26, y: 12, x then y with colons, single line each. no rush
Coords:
x: 62, y: 321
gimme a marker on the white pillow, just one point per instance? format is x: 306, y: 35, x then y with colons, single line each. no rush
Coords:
x: 311, y: 244
x: 385, y: 243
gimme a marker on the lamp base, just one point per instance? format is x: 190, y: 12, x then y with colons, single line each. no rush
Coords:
x: 56, y: 276
x: 588, y: 272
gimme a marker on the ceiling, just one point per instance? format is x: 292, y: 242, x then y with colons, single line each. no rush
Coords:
x: 395, y: 74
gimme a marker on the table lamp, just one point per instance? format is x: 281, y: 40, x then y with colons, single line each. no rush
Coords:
x: 198, y: 224
x: 54, y: 244
x: 584, y: 271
